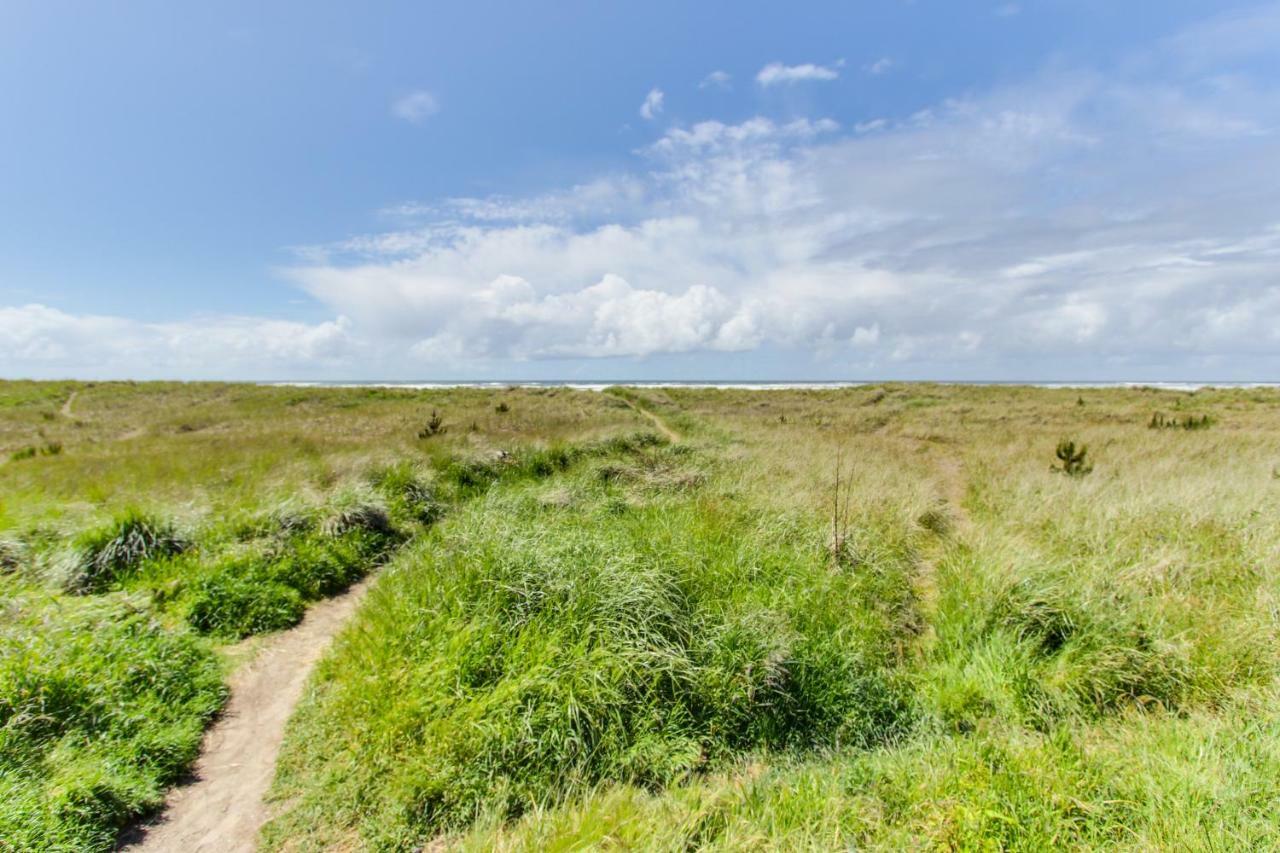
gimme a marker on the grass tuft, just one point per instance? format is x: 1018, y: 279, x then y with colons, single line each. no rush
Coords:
x: 103, y: 557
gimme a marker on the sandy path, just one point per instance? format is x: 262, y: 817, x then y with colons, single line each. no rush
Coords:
x: 222, y: 809
x: 66, y: 407
x: 672, y: 435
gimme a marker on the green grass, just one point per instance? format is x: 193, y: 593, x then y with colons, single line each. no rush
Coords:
x: 101, y: 707
x: 175, y: 521
x: 587, y: 637
x: 533, y: 649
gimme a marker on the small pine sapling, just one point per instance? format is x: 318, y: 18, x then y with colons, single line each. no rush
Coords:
x: 1073, y: 459
x: 435, y: 426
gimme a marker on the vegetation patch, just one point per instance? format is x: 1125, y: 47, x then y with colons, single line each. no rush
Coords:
x: 526, y: 654
x: 102, y: 557
x: 1189, y: 423
x: 101, y: 708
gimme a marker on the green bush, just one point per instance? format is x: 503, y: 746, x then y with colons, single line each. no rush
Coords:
x: 1190, y: 423
x: 1073, y: 459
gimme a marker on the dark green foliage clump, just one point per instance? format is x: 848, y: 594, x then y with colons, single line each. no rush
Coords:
x: 102, y: 557
x: 433, y: 427
x: 100, y: 709
x: 52, y: 448
x: 1073, y: 459
x: 1189, y: 422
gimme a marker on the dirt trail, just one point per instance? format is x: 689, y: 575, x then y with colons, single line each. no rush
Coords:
x: 66, y: 407
x: 222, y: 808
x: 658, y: 422
x: 953, y: 484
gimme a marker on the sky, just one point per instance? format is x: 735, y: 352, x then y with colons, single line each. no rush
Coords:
x: 1036, y: 190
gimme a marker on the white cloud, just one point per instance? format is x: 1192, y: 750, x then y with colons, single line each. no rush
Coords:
x: 866, y: 336
x: 1079, y: 218
x: 416, y: 107
x: 776, y: 73
x: 1120, y: 224
x: 38, y: 340
x: 652, y: 105
x: 880, y: 66
x: 716, y: 80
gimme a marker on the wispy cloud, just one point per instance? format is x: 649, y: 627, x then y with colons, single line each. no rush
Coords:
x: 653, y: 105
x: 416, y: 107
x: 716, y: 80
x: 775, y: 73
x: 38, y: 340
x: 880, y: 66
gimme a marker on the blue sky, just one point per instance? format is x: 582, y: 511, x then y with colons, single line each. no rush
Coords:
x: 986, y: 190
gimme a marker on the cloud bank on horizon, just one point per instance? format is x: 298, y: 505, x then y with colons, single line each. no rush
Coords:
x: 1084, y: 222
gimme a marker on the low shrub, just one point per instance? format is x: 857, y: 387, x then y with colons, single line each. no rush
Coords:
x: 433, y: 427
x: 1073, y: 459
x: 1190, y: 423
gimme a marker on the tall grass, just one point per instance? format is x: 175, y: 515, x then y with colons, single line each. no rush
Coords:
x: 599, y: 642
x: 527, y: 653
x: 101, y: 707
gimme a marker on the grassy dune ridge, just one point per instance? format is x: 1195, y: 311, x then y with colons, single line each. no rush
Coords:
x: 591, y: 636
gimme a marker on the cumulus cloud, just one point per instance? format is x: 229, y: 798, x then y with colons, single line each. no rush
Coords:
x: 1111, y: 221
x: 775, y: 73
x: 416, y: 107
x: 652, y: 105
x: 1119, y: 223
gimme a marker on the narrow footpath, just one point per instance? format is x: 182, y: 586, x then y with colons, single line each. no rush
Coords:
x: 222, y: 808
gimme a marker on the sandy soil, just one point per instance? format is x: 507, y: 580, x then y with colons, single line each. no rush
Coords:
x: 221, y: 808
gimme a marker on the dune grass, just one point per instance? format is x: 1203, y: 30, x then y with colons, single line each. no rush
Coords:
x: 101, y: 707
x: 178, y: 519
x: 1011, y: 658
x: 637, y: 629
x: 587, y: 636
